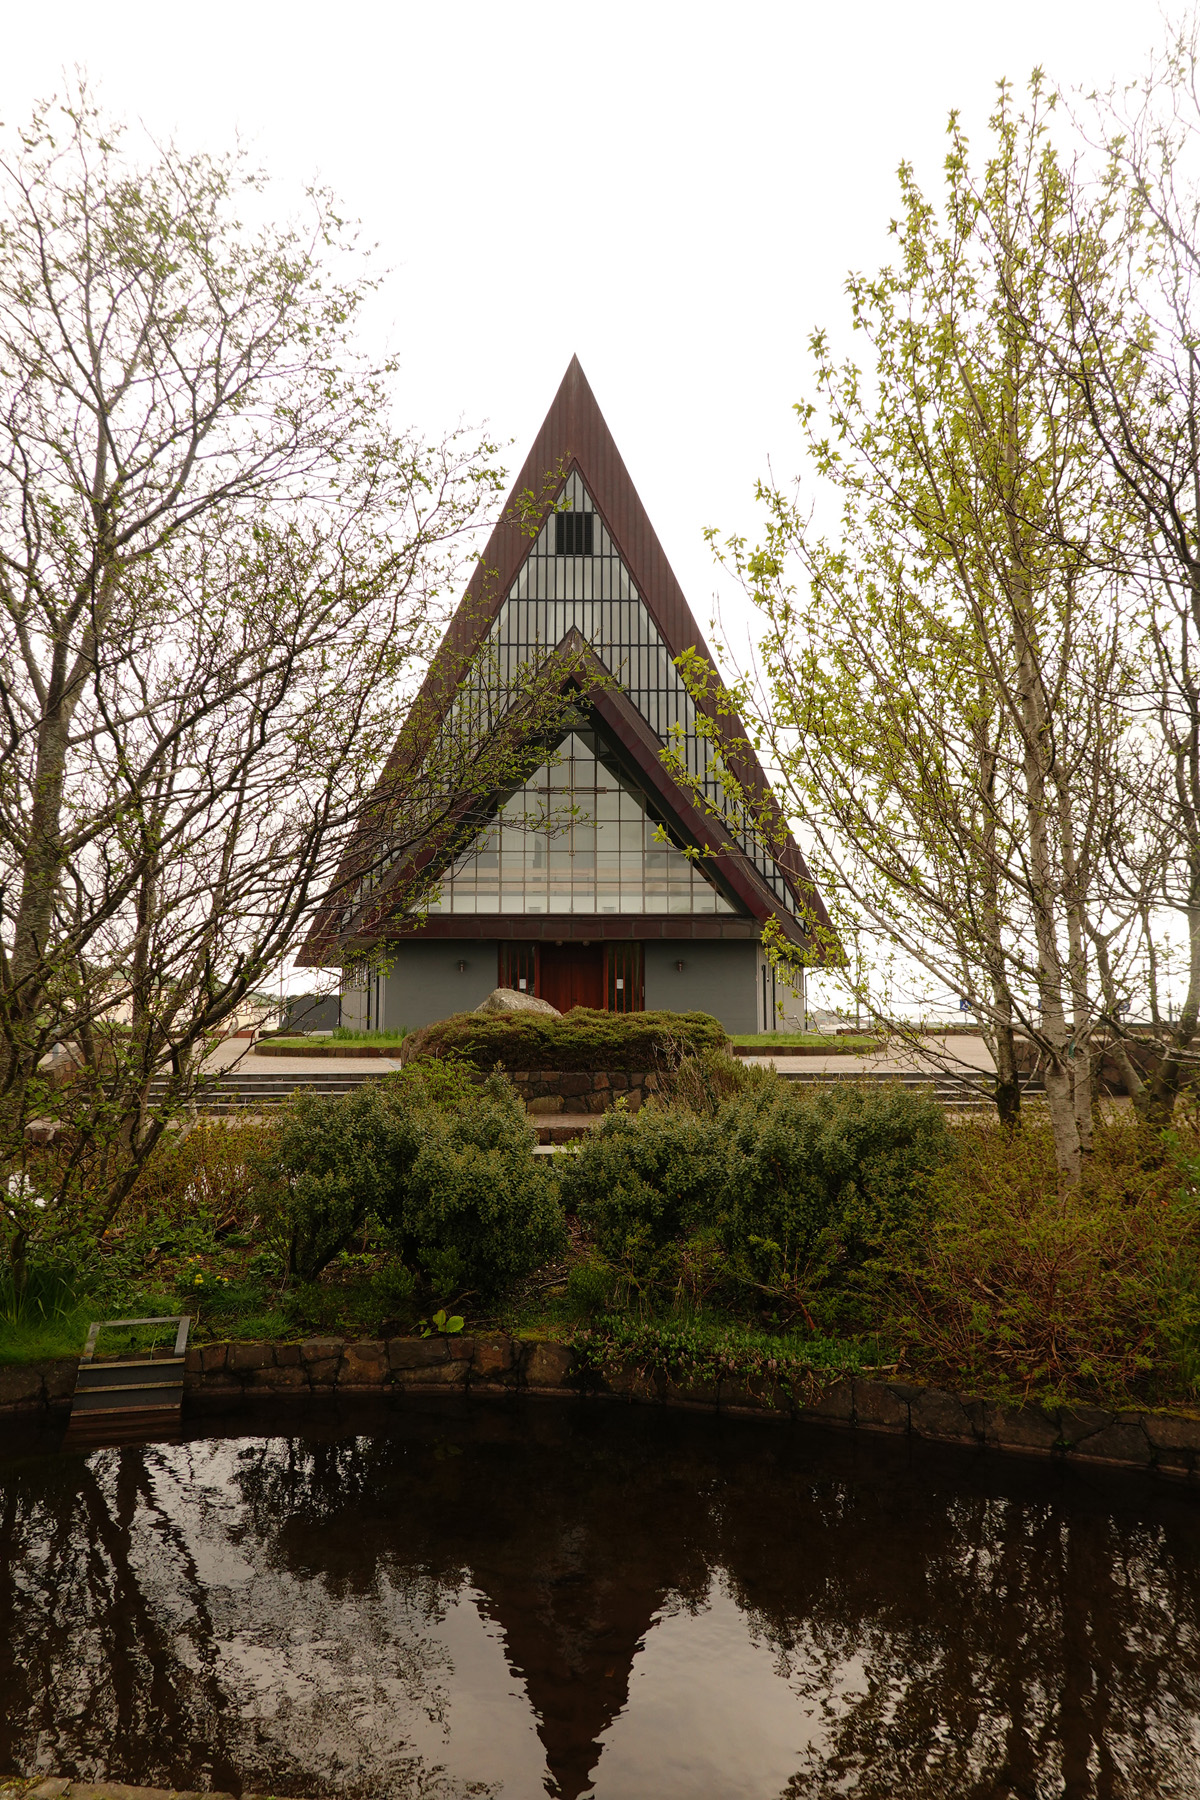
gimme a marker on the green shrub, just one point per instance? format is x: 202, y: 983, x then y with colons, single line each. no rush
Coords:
x: 702, y: 1083
x: 394, y: 1294
x: 376, y: 1302
x: 581, y: 1039
x: 644, y: 1180
x: 470, y: 1206
x: 445, y: 1164
x: 204, y: 1170
x: 788, y: 1191
x: 591, y: 1287
x: 701, y: 1351
x: 1016, y: 1288
x: 321, y: 1173
x: 824, y: 1181
x: 448, y: 1085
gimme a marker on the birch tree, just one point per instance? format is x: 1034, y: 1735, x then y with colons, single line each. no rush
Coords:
x: 221, y: 566
x: 1146, y: 199
x: 950, y: 675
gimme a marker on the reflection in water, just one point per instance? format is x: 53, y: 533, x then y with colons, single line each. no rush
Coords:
x: 596, y: 1601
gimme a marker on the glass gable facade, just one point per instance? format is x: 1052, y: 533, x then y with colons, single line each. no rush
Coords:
x: 592, y: 592
x: 577, y: 838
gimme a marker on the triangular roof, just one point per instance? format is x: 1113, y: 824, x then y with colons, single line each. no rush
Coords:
x: 575, y: 441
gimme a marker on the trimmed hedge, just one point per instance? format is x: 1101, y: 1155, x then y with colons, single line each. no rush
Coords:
x: 581, y: 1039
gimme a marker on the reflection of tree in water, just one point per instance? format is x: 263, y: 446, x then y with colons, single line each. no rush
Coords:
x: 1031, y: 1639
x: 983, y: 1644
x: 83, y: 1642
x: 948, y: 1638
x: 113, y: 1661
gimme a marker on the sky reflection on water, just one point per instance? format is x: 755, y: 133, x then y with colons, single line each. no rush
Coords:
x: 596, y: 1601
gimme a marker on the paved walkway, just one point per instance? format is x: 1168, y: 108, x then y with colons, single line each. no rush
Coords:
x: 236, y: 1056
x: 940, y: 1055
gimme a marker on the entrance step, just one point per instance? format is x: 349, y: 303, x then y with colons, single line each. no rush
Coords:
x: 564, y: 1128
x: 227, y: 1094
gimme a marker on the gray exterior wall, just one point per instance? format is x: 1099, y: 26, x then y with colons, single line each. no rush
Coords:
x: 721, y: 979
x: 354, y: 1008
x: 781, y: 1005
x: 311, y: 1012
x: 424, y: 982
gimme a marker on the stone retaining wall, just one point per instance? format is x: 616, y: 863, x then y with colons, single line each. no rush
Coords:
x: 221, y: 1377
x: 548, y: 1091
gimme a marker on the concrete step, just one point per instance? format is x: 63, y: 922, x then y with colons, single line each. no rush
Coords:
x: 223, y: 1094
x: 957, y: 1093
x: 226, y: 1093
x: 564, y: 1128
x: 945, y: 1086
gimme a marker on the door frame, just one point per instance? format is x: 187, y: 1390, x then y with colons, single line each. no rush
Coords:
x: 625, y: 960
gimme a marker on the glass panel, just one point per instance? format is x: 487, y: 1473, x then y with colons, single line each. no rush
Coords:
x: 540, y: 608
x: 577, y: 838
x: 624, y: 978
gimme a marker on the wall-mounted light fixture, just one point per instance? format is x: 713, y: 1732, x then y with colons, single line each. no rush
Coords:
x: 461, y: 966
x: 679, y: 965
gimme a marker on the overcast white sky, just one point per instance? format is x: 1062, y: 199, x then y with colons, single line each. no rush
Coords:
x: 674, y: 191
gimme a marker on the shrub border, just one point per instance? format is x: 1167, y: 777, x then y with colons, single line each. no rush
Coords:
x: 229, y: 1376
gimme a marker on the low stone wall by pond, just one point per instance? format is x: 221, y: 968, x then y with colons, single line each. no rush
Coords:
x: 58, y: 1787
x: 224, y: 1377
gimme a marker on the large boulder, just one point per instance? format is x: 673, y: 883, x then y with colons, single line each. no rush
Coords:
x: 508, y: 1000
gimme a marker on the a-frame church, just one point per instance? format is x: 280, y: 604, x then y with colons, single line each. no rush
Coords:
x: 573, y: 882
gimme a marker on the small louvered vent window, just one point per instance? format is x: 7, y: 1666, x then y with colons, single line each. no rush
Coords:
x: 574, y: 533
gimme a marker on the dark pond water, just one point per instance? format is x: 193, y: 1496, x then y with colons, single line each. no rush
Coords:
x: 595, y: 1601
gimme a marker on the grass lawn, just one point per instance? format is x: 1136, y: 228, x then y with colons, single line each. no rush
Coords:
x: 851, y: 1045
x: 62, y: 1332
x: 378, y: 1040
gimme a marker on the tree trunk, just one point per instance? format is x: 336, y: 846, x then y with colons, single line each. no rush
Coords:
x: 1155, y: 1103
x: 1002, y: 1041
x: 1037, y: 748
x: 1008, y: 1077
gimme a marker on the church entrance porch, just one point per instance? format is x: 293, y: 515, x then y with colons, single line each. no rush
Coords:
x: 574, y: 972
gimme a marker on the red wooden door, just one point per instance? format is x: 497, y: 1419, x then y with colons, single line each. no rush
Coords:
x: 571, y: 975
